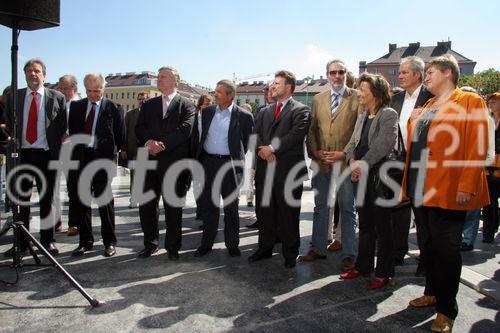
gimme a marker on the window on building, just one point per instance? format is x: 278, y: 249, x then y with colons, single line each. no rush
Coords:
x: 375, y: 71
x: 133, y: 94
x: 128, y: 95
x: 394, y: 84
x: 257, y: 101
x: 238, y: 101
x: 117, y: 95
x: 156, y: 94
x: 247, y: 100
x: 392, y: 71
x: 123, y: 95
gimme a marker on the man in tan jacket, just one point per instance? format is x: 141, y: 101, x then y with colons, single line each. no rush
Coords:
x: 333, y: 116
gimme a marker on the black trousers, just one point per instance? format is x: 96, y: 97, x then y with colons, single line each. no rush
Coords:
x: 279, y: 220
x: 375, y: 234
x: 38, y: 159
x: 211, y: 210
x: 441, y: 241
x: 149, y: 212
x: 490, y: 212
x: 83, y: 213
x: 401, y: 221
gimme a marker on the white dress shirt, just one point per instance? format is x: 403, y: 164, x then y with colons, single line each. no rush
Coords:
x: 406, y: 110
x: 41, y: 142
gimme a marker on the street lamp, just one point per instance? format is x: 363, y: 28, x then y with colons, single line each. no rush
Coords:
x: 307, y: 80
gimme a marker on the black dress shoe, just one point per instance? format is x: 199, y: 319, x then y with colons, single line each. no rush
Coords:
x: 109, y: 251
x: 202, y: 250
x: 254, y: 225
x: 259, y: 255
x: 234, y: 251
x: 466, y: 247
x: 80, y: 250
x: 147, y: 252
x: 290, y: 263
x: 420, y: 272
x: 399, y: 261
x: 51, y: 248
x: 10, y: 252
x: 173, y: 255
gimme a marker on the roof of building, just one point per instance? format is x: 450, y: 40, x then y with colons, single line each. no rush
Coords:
x: 302, y: 86
x: 425, y: 52
x: 148, y: 78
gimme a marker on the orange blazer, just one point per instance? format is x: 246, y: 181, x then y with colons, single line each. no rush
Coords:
x: 457, y: 145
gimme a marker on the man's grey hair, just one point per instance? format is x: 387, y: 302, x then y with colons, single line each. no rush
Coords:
x: 416, y: 65
x: 95, y: 76
x: 71, y: 79
x: 229, y: 85
x: 335, y: 61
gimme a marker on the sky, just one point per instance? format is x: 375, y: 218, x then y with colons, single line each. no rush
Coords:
x: 248, y: 40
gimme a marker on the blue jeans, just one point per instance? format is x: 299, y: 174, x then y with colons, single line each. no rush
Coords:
x: 471, y: 226
x: 323, y: 200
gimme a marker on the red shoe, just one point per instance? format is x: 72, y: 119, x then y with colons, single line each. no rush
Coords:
x: 377, y: 283
x: 352, y: 274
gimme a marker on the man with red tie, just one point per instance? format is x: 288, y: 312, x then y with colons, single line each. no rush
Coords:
x: 280, y: 129
x: 102, y: 120
x: 41, y: 125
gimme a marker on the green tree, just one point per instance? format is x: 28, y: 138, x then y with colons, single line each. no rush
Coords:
x: 485, y: 82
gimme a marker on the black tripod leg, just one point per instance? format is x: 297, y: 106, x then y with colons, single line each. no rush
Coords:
x: 94, y: 302
x: 33, y: 254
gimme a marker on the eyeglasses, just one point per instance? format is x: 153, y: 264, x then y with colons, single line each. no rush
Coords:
x: 340, y: 72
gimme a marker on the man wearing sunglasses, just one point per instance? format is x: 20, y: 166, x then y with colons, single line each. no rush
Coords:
x: 333, y: 117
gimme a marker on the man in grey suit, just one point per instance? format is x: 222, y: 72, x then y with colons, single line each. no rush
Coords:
x: 415, y: 95
x: 333, y: 117
x: 41, y: 125
x: 281, y: 128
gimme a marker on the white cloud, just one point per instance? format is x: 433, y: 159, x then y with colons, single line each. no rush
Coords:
x: 317, y: 55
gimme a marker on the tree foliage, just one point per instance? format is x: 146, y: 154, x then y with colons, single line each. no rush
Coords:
x: 485, y: 82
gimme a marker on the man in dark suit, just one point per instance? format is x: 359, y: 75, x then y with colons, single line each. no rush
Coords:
x: 224, y: 139
x: 41, y: 125
x: 268, y: 99
x: 129, y: 148
x: 415, y: 94
x: 164, y: 127
x: 102, y: 120
x: 281, y: 129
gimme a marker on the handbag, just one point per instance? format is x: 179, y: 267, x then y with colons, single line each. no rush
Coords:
x: 396, y: 174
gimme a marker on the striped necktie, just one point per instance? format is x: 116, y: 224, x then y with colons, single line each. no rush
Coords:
x: 335, y: 102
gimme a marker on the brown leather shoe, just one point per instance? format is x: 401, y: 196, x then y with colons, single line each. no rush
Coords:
x: 311, y: 256
x: 335, y: 246
x: 347, y: 264
x: 72, y: 231
x: 442, y: 324
x: 423, y: 301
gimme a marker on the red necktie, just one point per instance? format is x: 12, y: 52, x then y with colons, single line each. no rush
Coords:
x: 89, y: 122
x: 31, y: 127
x: 277, y: 111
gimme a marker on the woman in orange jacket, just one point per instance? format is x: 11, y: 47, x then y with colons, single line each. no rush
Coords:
x: 444, y: 178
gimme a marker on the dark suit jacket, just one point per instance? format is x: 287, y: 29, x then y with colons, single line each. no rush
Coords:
x: 290, y: 128
x: 240, y: 127
x: 130, y: 143
x: 109, y: 131
x: 174, y: 130
x: 398, y: 99
x: 55, y: 118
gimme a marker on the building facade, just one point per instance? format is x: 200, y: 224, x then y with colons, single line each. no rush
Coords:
x: 123, y: 88
x: 388, y: 65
